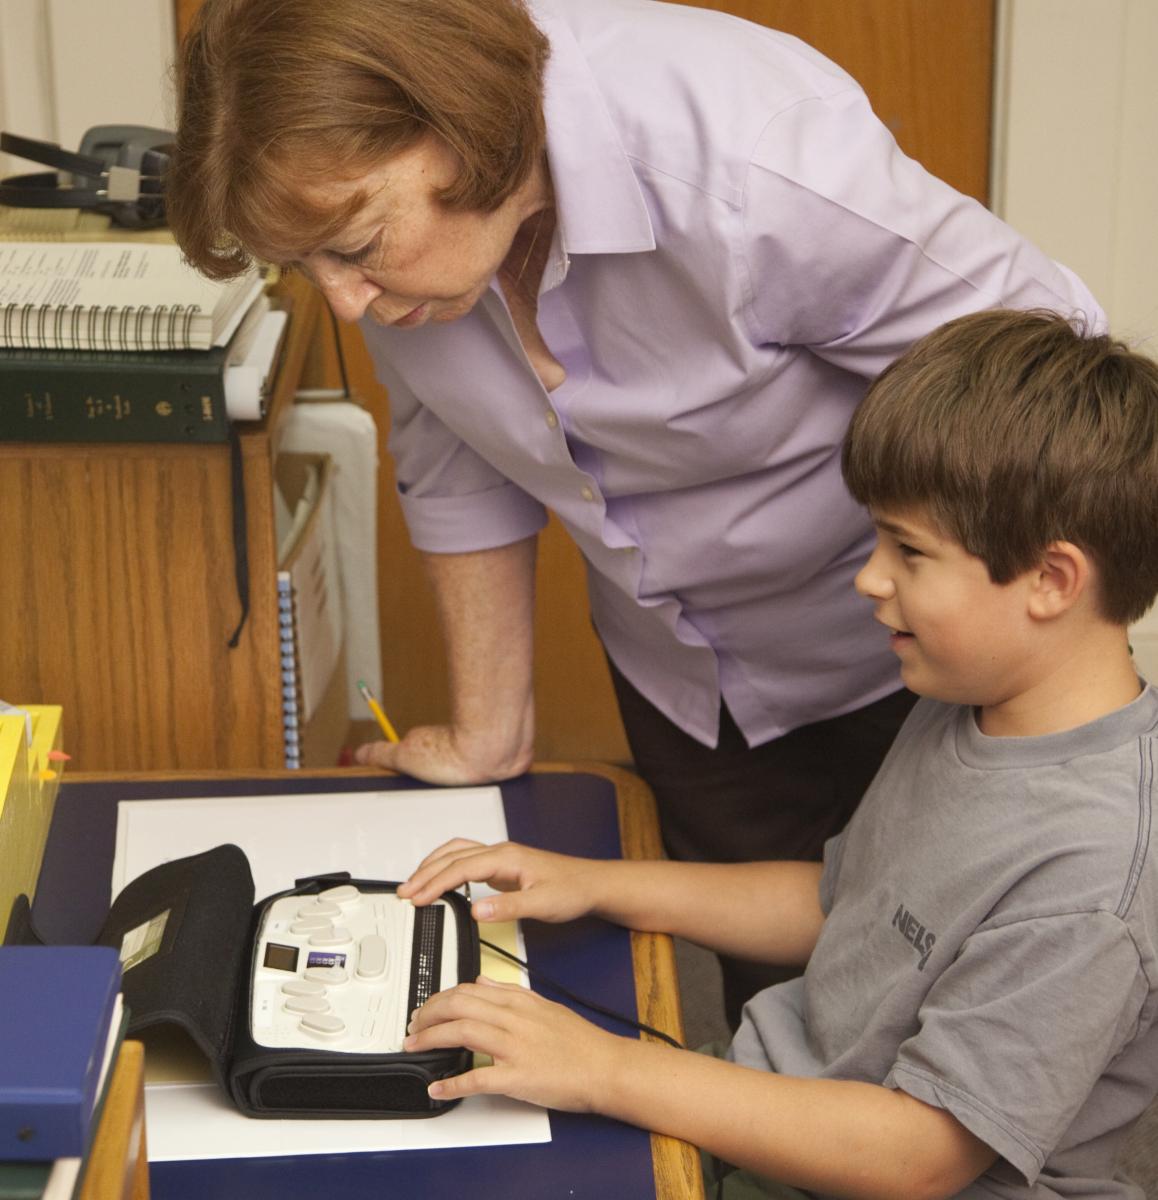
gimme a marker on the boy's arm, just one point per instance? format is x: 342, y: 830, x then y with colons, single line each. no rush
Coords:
x: 766, y: 911
x: 837, y: 1137
x: 769, y: 912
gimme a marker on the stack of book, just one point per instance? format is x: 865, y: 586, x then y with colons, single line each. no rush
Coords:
x: 124, y: 342
x: 69, y: 1085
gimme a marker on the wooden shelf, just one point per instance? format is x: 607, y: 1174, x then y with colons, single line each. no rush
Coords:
x: 118, y: 592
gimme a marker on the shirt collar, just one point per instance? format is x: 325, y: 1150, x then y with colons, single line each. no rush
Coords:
x: 599, y: 206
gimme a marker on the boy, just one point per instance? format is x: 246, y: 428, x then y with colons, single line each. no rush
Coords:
x: 977, y: 1017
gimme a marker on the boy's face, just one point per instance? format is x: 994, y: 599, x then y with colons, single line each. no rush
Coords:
x: 960, y: 636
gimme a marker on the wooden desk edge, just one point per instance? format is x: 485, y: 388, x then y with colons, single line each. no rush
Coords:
x: 676, y: 1164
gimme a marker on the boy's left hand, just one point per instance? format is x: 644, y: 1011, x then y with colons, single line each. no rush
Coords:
x: 543, y: 1053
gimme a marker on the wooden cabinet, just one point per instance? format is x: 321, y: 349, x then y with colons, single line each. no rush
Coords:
x: 927, y: 69
x: 118, y: 593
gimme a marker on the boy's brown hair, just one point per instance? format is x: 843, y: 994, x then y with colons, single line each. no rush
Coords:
x: 1012, y: 430
x: 276, y: 95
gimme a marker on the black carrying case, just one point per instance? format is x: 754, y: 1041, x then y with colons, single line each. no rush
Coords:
x: 196, y: 974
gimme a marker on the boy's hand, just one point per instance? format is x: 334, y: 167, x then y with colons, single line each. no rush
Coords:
x: 539, y: 884
x: 543, y: 1053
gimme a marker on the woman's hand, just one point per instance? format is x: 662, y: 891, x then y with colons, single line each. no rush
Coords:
x: 441, y: 754
x: 534, y: 883
x: 543, y: 1053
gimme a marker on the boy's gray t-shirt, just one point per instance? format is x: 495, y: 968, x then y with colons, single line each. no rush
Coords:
x: 990, y: 945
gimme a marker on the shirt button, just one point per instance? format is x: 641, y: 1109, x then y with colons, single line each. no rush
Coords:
x: 551, y: 420
x: 586, y: 493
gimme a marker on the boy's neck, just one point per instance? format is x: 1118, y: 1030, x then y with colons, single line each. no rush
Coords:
x: 1070, y: 689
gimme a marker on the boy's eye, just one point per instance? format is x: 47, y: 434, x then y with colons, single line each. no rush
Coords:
x: 908, y: 551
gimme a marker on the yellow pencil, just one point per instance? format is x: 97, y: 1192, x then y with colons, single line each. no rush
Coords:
x: 376, y: 709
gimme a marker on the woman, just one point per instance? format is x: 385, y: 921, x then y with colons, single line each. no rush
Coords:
x: 635, y: 263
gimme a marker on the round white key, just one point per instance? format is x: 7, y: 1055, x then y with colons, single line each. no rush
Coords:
x: 337, y: 936
x: 303, y: 987
x: 319, y: 908
x: 311, y: 925
x: 323, y: 1024
x: 371, y: 956
x: 345, y: 893
x: 326, y: 974
x: 307, y: 1004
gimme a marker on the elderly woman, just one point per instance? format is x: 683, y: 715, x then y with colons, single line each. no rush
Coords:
x: 634, y: 263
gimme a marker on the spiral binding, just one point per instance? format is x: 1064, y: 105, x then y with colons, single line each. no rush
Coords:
x: 290, y: 683
x: 98, y: 327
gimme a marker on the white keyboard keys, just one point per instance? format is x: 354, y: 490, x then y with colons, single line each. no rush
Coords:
x: 309, y: 925
x: 303, y: 987
x: 323, y: 1024
x: 338, y: 935
x: 371, y: 956
x: 307, y: 1004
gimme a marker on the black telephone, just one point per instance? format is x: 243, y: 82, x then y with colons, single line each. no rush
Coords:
x: 118, y: 170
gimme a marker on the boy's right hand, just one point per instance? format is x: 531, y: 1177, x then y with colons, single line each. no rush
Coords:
x: 534, y: 883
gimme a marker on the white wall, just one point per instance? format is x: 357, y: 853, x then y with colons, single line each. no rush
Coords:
x: 1075, y: 167
x: 66, y: 65
x: 26, y: 103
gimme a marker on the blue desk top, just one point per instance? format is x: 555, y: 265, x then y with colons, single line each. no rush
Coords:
x: 588, y: 1157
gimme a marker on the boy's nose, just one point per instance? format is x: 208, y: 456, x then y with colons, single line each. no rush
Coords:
x: 872, y: 581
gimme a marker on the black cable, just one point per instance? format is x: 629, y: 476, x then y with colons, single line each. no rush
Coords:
x: 535, y: 973
x: 240, y: 533
x: 341, y: 354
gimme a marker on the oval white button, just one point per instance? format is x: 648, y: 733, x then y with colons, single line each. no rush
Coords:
x: 331, y: 937
x: 586, y: 493
x: 307, y: 1004
x: 371, y: 956
x: 311, y: 925
x: 323, y: 1023
x: 552, y: 420
x: 303, y: 987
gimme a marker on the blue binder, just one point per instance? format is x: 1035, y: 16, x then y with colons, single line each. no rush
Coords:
x: 55, y: 1014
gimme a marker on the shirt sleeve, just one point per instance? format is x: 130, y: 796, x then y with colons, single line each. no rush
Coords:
x: 855, y: 251
x: 1016, y: 1033
x: 833, y: 850
x: 452, y: 499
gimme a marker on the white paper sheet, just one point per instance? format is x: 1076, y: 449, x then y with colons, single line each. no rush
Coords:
x: 373, y: 835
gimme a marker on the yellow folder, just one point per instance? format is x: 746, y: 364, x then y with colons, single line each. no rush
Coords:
x: 29, y: 782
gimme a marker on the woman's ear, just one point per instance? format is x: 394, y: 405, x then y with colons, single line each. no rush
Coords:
x: 1059, y: 580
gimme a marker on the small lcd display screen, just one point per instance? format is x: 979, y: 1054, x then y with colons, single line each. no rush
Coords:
x: 281, y: 958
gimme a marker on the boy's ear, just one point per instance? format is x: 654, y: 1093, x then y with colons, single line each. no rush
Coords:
x: 1059, y: 580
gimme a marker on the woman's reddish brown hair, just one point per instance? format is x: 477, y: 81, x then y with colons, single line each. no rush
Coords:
x: 276, y: 96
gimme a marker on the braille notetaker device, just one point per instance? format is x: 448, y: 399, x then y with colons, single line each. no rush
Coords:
x: 300, y: 1002
x: 346, y: 969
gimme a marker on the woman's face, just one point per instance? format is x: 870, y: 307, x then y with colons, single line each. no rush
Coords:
x: 404, y: 258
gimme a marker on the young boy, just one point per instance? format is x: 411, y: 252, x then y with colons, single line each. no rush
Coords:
x: 977, y: 1017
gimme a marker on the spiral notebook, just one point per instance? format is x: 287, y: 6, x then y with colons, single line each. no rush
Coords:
x: 115, y: 296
